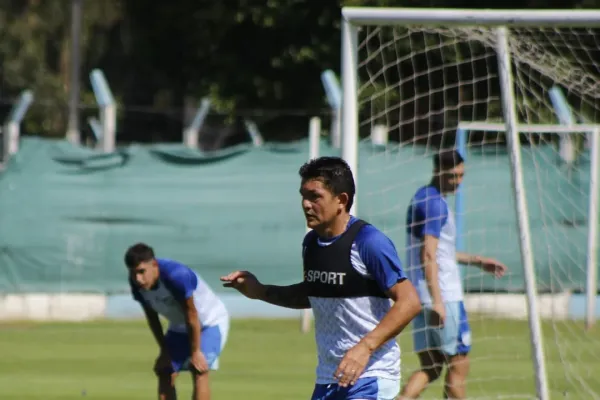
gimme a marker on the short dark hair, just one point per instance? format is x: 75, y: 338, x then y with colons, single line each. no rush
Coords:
x: 137, y: 254
x: 447, y: 159
x: 334, y: 172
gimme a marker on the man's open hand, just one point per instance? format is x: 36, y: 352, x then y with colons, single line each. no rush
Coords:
x: 198, y: 362
x: 353, y: 364
x: 437, y: 316
x: 245, y: 282
x: 493, y: 267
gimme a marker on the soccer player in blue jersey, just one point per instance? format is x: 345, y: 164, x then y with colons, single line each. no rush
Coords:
x: 351, y: 271
x: 198, y: 320
x: 441, y: 332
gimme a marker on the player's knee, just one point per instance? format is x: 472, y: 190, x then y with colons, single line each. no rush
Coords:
x: 458, y: 365
x: 433, y: 372
x: 431, y: 364
x: 200, y: 379
x: 166, y: 379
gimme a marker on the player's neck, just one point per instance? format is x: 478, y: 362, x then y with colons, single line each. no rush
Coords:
x: 336, y: 228
x: 436, y: 185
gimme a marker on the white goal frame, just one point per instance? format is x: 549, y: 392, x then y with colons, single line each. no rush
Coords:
x: 354, y: 17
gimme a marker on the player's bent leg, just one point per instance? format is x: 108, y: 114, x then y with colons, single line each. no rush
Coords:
x: 201, y: 386
x: 455, y: 386
x: 166, y: 385
x: 431, y: 360
x: 175, y: 344
x: 456, y: 345
x: 224, y: 330
x: 432, y: 363
x: 178, y: 347
x: 216, y: 338
x: 212, y: 341
x: 211, y: 344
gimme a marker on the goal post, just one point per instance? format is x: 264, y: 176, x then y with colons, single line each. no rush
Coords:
x: 349, y: 113
x: 426, y: 72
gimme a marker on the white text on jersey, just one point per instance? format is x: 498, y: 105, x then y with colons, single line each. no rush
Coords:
x: 332, y: 278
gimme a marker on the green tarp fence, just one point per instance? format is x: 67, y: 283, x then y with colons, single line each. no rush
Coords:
x: 69, y: 213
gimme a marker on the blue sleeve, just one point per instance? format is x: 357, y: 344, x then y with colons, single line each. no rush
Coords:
x: 380, y: 257
x: 431, y: 215
x: 178, y: 278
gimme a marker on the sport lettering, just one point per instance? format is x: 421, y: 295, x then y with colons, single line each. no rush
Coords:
x: 331, y: 278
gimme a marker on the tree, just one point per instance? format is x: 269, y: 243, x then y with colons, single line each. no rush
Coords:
x: 253, y: 58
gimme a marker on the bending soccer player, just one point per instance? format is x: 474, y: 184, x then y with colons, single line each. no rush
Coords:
x: 198, y: 320
x: 351, y: 271
x: 441, y: 332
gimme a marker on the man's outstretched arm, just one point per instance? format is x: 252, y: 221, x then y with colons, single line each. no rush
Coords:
x: 293, y: 296
x: 486, y: 264
x: 469, y: 259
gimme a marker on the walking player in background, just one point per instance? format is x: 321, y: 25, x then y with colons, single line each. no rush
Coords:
x: 351, y: 271
x: 441, y: 331
x: 198, y: 320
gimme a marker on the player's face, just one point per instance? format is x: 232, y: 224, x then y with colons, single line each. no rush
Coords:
x: 320, y: 206
x: 452, y: 178
x: 145, y: 274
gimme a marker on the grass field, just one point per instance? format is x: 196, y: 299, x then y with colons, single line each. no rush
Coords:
x: 266, y: 360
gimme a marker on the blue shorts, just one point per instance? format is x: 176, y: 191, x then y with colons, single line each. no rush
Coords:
x: 452, y: 339
x: 211, y: 344
x: 364, y: 389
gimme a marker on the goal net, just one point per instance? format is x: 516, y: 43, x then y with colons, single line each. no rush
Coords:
x: 429, y: 86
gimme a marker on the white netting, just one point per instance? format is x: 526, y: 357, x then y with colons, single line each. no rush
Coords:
x: 421, y: 83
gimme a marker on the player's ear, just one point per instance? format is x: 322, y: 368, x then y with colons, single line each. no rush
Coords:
x: 342, y: 201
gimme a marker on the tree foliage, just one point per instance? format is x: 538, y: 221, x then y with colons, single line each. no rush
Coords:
x: 253, y: 58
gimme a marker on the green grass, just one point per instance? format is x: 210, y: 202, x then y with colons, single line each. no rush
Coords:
x: 267, y: 360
